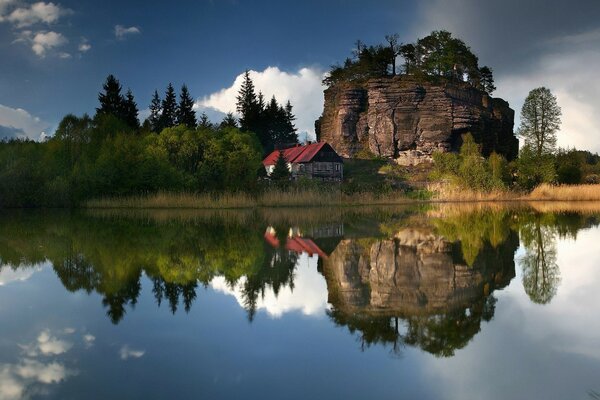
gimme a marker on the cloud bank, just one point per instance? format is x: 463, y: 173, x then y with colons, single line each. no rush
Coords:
x: 16, y: 123
x: 555, y: 48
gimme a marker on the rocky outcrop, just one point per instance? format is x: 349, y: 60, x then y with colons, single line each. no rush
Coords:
x: 408, y: 120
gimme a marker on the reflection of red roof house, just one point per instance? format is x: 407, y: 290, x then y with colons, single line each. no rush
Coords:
x: 296, y: 244
x: 303, y: 245
x: 271, y: 238
x: 313, y: 160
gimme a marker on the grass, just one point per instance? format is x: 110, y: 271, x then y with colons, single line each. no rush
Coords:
x: 237, y: 200
x: 547, y: 192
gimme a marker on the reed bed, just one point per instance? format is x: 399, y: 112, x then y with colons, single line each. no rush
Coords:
x: 445, y: 192
x: 547, y: 192
x: 237, y: 200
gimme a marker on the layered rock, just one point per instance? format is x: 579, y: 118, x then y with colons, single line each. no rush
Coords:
x: 408, y: 120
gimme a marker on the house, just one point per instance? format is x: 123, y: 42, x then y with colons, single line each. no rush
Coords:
x: 312, y: 160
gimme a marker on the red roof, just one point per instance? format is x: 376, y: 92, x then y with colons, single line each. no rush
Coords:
x: 297, y: 154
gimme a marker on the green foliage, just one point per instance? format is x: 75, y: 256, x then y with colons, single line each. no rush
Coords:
x: 470, y: 169
x: 540, y: 120
x: 531, y: 170
x: 168, y: 116
x: 570, y: 165
x: 185, y: 109
x: 272, y: 122
x: 436, y: 55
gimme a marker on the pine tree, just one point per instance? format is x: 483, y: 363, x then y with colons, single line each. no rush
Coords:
x: 204, y: 122
x: 249, y: 108
x: 487, y: 79
x: 111, y: 99
x: 280, y: 171
x: 185, y: 110
x: 155, y: 111
x: 168, y: 117
x: 229, y: 121
x: 131, y: 111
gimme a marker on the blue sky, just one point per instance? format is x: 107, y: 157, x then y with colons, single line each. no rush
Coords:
x: 55, y: 55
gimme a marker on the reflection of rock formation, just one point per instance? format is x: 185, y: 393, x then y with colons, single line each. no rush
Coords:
x: 420, y: 278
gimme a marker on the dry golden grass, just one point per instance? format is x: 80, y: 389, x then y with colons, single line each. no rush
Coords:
x: 451, y: 193
x: 547, y: 192
x: 272, y: 198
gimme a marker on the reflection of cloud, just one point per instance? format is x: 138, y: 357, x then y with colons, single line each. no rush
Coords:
x: 46, y: 344
x: 126, y: 353
x: 309, y: 295
x: 532, y: 345
x: 23, y: 378
x: 9, y: 275
x: 89, y: 340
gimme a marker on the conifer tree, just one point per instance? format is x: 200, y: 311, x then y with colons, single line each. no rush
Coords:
x: 111, y: 99
x: 487, y: 79
x: 280, y: 171
x: 204, y: 122
x: 168, y: 117
x: 229, y: 121
x: 248, y: 107
x: 155, y: 111
x: 131, y: 111
x: 185, y: 110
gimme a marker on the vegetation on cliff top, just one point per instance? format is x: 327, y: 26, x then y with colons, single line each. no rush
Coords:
x: 438, y: 55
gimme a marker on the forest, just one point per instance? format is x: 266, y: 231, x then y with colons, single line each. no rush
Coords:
x: 114, y: 154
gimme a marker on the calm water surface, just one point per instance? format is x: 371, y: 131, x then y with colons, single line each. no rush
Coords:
x: 449, y: 303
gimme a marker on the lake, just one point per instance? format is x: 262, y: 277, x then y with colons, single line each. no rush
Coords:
x: 428, y: 302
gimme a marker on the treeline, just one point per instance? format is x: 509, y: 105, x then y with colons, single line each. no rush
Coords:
x: 437, y: 55
x: 113, y: 154
x: 540, y: 160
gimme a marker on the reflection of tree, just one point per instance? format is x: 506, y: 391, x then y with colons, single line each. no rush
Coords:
x: 276, y: 271
x: 541, y: 274
x: 109, y: 256
x: 440, y: 334
x: 371, y: 330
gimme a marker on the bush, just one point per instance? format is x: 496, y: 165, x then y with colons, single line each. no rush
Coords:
x: 469, y: 169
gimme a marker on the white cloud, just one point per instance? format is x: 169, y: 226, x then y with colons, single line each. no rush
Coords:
x: 84, y: 46
x: 121, y: 31
x: 558, y: 54
x: 302, y: 88
x: 126, y: 353
x: 44, y: 41
x: 39, y: 12
x: 29, y: 126
x: 308, y: 296
x: 3, y: 7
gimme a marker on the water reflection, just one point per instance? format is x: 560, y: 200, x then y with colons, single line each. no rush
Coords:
x: 396, y: 277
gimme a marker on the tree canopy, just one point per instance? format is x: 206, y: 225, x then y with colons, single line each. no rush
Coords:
x: 273, y: 123
x: 436, y: 55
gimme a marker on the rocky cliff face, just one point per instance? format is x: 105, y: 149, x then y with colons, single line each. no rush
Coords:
x: 408, y: 120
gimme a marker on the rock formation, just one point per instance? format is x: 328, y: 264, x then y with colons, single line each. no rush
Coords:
x: 405, y: 119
